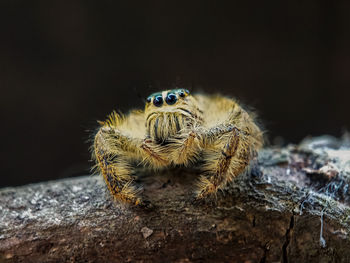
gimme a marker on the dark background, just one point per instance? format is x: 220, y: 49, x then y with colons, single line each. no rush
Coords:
x: 65, y: 64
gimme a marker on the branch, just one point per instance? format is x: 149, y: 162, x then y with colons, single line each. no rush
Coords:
x: 293, y: 206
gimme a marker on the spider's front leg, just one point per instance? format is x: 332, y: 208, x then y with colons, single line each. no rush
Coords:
x: 228, y: 149
x: 114, y: 153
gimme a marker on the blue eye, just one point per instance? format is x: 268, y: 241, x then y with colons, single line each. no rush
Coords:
x: 171, y: 98
x: 149, y: 99
x: 158, y: 101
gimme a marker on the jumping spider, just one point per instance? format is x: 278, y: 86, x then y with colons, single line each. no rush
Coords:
x: 177, y: 128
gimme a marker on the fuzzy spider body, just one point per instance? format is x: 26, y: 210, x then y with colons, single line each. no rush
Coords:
x: 177, y: 128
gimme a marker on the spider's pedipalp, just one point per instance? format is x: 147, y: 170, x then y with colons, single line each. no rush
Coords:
x: 185, y: 150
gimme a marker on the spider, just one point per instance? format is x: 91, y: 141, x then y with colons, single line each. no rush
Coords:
x: 177, y: 128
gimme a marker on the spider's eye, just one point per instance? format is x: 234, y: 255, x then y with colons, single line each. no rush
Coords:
x: 184, y: 93
x: 158, y: 101
x: 171, y: 98
x: 149, y: 99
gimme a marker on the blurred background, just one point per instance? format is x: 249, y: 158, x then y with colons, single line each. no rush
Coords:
x: 66, y: 64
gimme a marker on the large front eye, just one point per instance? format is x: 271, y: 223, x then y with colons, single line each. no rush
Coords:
x: 171, y: 98
x: 158, y: 101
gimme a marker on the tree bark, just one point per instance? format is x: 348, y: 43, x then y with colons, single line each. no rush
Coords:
x: 291, y: 206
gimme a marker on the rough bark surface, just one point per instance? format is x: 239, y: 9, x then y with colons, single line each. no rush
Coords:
x: 292, y: 206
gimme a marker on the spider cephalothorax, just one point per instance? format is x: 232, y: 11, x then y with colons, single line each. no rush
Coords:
x: 169, y: 112
x: 177, y: 128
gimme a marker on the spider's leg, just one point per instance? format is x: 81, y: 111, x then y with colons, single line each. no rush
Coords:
x: 228, y: 149
x: 113, y: 153
x: 219, y: 161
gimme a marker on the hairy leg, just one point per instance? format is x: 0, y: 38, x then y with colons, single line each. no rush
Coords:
x: 116, y: 170
x: 114, y: 153
x: 228, y: 149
